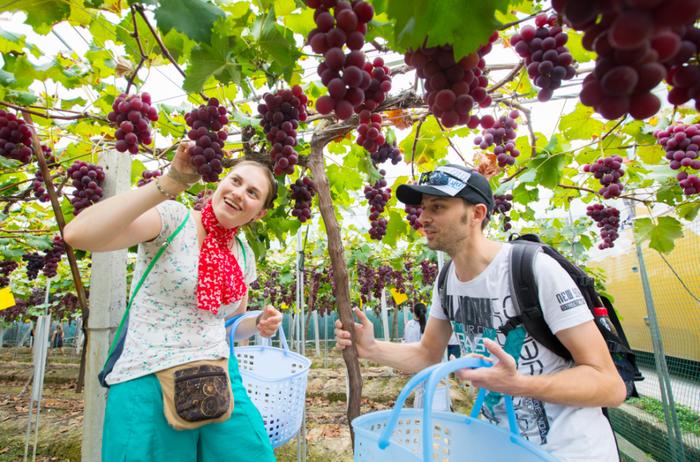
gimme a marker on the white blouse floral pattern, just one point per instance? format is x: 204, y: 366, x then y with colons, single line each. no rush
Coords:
x: 165, y: 326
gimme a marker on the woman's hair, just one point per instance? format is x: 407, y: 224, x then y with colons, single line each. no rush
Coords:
x: 272, y: 192
x: 419, y: 314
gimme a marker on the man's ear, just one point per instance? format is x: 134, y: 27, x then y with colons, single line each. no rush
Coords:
x: 480, y: 212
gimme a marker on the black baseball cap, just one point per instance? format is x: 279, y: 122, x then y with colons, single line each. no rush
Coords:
x: 452, y: 180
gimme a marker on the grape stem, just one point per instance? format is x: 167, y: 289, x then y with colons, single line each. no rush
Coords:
x: 135, y: 34
x: 449, y: 140
x: 515, y: 23
x: 511, y: 75
x: 413, y: 149
x: 83, y: 115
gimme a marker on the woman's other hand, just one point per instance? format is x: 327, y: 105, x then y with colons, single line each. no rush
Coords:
x: 270, y: 320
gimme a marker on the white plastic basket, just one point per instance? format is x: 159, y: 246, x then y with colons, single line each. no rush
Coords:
x: 275, y: 379
x: 414, y: 435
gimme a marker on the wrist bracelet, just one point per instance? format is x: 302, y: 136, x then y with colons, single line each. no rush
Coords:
x: 162, y: 190
x: 258, y: 318
x: 185, y: 179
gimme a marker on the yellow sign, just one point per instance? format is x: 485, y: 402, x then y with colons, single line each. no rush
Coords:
x: 284, y: 306
x: 7, y: 300
x: 399, y: 297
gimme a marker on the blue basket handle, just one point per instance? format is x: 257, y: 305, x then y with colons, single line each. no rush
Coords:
x: 432, y: 383
x: 234, y: 322
x: 416, y: 380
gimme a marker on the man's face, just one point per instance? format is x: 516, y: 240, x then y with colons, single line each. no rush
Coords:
x: 446, y: 222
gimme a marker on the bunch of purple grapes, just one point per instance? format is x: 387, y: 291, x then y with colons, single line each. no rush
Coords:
x: 53, y: 256
x: 385, y: 152
x: 429, y: 271
x: 382, y: 278
x: 379, y: 85
x: 35, y: 263
x: 369, y: 132
x: 399, y: 282
x: 608, y: 220
x: 366, y: 280
x: 501, y: 133
x: 548, y: 60
x: 6, y: 267
x: 87, y: 180
x: 40, y: 191
x: 682, y: 143
x: 503, y: 204
x: 453, y: 87
x: 345, y: 76
x: 413, y: 214
x: 302, y: 192
x: 608, y: 171
x: 377, y: 195
x: 636, y: 41
x: 147, y: 176
x: 15, y: 138
x: 15, y: 312
x: 281, y: 113
x: 209, y: 134
x: 132, y: 115
x: 202, y: 198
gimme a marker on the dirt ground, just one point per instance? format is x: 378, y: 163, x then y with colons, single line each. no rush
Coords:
x: 61, y: 416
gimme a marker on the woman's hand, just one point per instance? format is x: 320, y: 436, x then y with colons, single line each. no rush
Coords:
x: 182, y: 162
x: 270, y: 320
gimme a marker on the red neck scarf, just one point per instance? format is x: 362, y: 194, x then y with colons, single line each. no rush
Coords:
x: 220, y: 278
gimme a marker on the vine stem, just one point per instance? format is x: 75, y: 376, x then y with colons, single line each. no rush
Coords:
x: 135, y: 34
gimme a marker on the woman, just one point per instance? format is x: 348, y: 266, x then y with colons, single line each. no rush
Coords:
x: 57, y: 340
x: 413, y: 330
x: 178, y: 314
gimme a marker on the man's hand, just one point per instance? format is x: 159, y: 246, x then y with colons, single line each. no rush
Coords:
x: 502, y: 377
x: 364, y: 334
x: 270, y: 320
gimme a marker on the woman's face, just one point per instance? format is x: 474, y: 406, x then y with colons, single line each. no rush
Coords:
x: 240, y: 196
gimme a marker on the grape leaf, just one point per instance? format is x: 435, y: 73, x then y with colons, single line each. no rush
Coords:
x: 580, y: 124
x: 661, y: 236
x: 41, y: 14
x: 194, y: 18
x: 549, y: 169
x: 689, y: 210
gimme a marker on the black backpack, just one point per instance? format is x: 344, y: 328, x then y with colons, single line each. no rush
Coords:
x: 527, y: 305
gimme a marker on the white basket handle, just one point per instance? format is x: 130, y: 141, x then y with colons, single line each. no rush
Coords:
x: 236, y: 320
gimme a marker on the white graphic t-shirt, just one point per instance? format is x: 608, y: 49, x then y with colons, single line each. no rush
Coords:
x: 478, y: 308
x: 165, y: 326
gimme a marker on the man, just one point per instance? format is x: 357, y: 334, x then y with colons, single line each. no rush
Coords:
x: 558, y: 402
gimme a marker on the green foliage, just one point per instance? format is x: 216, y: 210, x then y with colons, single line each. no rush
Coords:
x: 688, y: 419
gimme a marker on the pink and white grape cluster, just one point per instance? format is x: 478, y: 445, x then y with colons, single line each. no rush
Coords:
x: 15, y: 138
x: 281, y: 113
x: 369, y: 132
x: 147, y: 176
x: 453, y: 87
x: 208, y: 132
x: 501, y: 133
x: 682, y: 143
x: 347, y: 77
x: 6, y: 267
x: 302, y: 192
x: 608, y: 220
x: 608, y: 171
x: 377, y: 195
x: 636, y: 41
x: 386, y: 152
x: 413, y: 214
x: 53, y: 256
x: 132, y: 115
x: 87, y: 181
x: 548, y: 60
x: 503, y: 204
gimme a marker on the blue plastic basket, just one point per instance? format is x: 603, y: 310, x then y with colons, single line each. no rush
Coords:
x: 275, y: 379
x: 409, y: 435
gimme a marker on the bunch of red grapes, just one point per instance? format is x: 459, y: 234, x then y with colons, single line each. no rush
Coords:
x: 429, y: 271
x: 501, y: 133
x: 387, y: 152
x: 15, y: 138
x: 35, y: 263
x: 503, y: 204
x: 53, y: 256
x: 147, y: 176
x: 346, y: 76
x: 87, y: 180
x: 302, y: 192
x: 6, y: 267
x: 608, y: 171
x: 208, y: 133
x: 366, y: 280
x: 132, y: 115
x: 452, y: 87
x: 377, y: 195
x: 608, y: 220
x: 369, y: 132
x: 281, y: 113
x: 202, y: 198
x: 40, y: 191
x: 548, y: 60
x: 682, y: 143
x: 413, y: 214
x: 639, y: 43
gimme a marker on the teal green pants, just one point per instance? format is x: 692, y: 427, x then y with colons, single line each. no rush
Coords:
x: 135, y: 429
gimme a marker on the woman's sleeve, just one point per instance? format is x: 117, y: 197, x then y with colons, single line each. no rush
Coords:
x: 171, y: 215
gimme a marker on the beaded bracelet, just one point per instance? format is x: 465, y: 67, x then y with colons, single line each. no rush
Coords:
x: 162, y: 190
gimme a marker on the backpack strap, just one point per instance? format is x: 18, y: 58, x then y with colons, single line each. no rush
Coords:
x: 442, y: 284
x: 525, y: 298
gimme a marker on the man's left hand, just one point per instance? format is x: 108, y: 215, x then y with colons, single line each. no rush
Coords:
x: 270, y: 320
x: 502, y: 377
